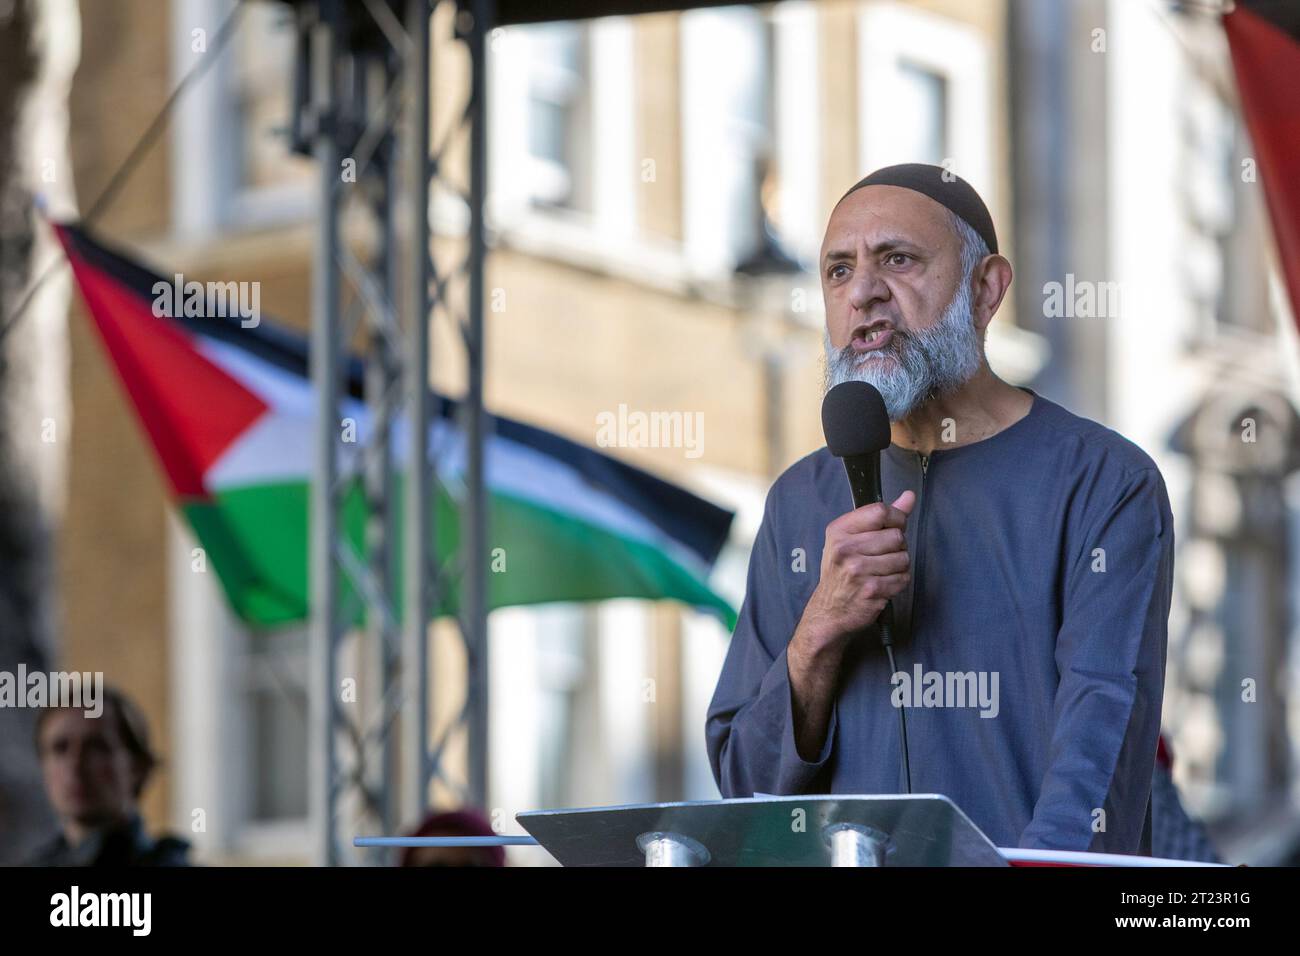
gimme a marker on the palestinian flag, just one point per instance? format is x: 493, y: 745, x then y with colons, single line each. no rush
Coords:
x: 230, y: 412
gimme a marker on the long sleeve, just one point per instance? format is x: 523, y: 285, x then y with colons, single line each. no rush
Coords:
x: 750, y: 725
x: 1110, y: 655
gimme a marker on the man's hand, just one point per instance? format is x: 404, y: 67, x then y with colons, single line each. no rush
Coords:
x: 864, y: 564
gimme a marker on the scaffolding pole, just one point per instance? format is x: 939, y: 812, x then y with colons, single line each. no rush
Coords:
x: 420, y: 481
x: 474, y: 624
x: 324, y: 372
x: 363, y: 106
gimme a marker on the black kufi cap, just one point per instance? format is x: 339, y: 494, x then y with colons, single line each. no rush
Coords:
x: 941, y: 185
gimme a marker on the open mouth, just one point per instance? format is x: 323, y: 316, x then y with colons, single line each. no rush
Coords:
x: 872, y: 338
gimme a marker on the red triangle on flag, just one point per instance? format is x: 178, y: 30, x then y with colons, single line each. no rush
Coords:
x: 191, y: 408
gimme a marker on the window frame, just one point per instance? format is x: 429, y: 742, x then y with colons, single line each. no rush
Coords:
x: 891, y: 35
x: 207, y: 195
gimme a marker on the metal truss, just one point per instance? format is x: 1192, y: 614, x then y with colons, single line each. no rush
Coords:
x: 362, y: 110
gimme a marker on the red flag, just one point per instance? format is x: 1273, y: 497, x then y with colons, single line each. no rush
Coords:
x: 1265, y: 42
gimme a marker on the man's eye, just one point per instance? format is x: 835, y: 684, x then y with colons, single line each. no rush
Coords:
x: 834, y: 271
x: 897, y: 258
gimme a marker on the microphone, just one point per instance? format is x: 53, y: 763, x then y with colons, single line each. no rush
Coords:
x: 856, y: 426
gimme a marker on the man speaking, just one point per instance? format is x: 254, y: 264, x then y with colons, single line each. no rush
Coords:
x: 1027, y: 554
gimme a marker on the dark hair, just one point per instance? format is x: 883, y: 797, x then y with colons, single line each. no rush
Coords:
x: 131, y: 726
x: 466, y: 821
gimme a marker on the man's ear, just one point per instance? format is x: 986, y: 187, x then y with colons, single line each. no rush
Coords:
x: 991, y: 279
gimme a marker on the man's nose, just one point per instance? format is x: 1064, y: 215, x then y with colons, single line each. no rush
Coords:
x: 79, y: 757
x: 868, y: 287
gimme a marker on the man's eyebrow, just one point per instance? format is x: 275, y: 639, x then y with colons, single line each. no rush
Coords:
x: 883, y: 244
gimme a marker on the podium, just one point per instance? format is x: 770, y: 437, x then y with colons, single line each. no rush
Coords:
x: 827, y: 830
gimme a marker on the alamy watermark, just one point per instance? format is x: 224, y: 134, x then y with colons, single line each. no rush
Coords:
x: 133, y: 911
x: 1081, y: 298
x: 240, y: 300
x: 76, y: 690
x: 924, y: 688
x: 634, y: 429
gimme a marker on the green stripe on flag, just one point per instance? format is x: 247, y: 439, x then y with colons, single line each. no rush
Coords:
x: 256, y: 541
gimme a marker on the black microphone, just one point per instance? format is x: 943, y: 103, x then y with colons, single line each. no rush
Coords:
x: 856, y: 426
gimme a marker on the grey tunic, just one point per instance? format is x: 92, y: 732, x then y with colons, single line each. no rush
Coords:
x: 1042, y: 559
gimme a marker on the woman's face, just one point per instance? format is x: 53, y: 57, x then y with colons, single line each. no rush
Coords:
x: 90, y: 776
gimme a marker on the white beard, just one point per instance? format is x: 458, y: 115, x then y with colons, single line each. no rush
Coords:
x: 914, y: 367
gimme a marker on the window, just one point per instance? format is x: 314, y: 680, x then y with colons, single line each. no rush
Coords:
x: 704, y: 639
x: 563, y: 672
x: 1220, y: 265
x: 562, y: 146
x: 559, y: 120
x: 569, y: 724
x: 273, y: 684
x: 750, y: 133
x: 726, y: 133
x: 924, y: 93
x: 239, y: 737
x: 231, y: 164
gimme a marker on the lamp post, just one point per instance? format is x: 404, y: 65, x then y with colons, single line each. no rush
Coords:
x: 765, y: 284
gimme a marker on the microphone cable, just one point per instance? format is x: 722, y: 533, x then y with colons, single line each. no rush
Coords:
x: 886, y: 622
